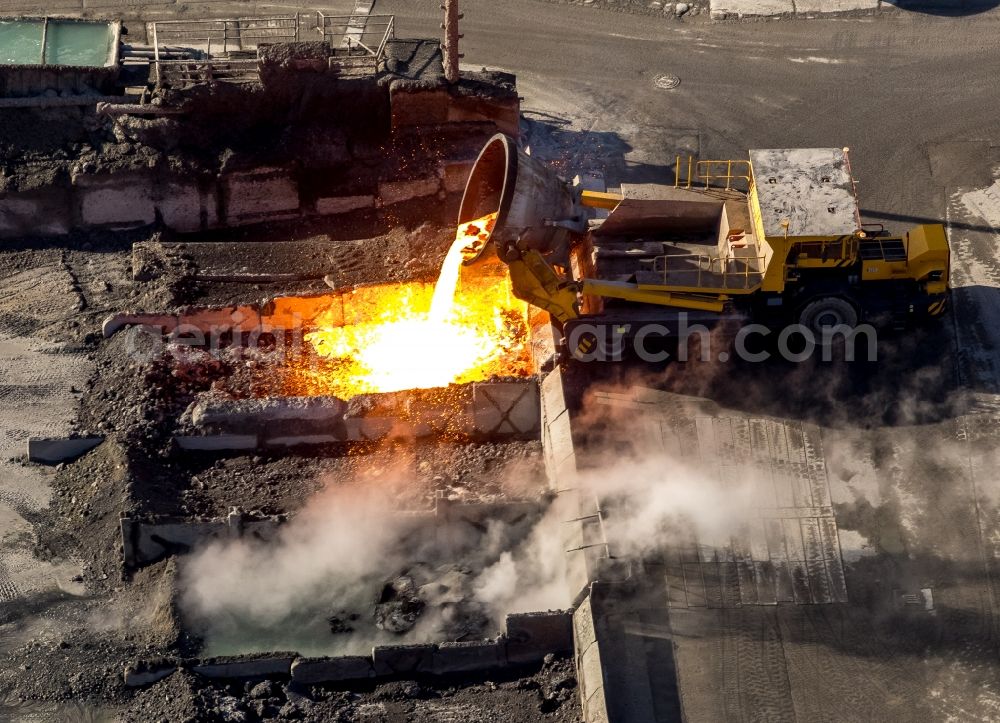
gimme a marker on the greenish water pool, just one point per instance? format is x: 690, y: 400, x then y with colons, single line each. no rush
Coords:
x: 66, y: 42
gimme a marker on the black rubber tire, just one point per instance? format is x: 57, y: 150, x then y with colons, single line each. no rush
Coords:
x: 827, y: 311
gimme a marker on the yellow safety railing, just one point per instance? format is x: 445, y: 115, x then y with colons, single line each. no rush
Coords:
x: 710, y: 270
x: 699, y: 172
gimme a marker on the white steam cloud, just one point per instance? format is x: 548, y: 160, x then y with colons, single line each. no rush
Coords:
x: 335, y: 559
x: 657, y: 501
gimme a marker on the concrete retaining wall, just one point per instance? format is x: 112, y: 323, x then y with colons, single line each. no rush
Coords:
x: 608, y: 691
x: 583, y: 535
x: 188, y: 203
x: 529, y: 634
x: 589, y: 667
x: 309, y: 671
x: 250, y: 667
x: 537, y: 635
x: 145, y: 542
x: 30, y: 80
x: 454, y: 525
x: 482, y: 410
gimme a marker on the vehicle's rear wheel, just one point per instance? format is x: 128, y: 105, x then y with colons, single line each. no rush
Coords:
x: 826, y: 313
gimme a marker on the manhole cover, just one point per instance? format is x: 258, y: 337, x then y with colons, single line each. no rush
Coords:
x: 665, y: 81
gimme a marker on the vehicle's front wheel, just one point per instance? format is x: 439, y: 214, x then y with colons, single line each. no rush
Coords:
x: 827, y: 312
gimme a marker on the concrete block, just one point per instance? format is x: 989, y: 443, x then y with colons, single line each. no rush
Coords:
x: 553, y: 396
x: 244, y: 415
x: 332, y: 670
x: 577, y: 570
x: 266, y: 195
x: 742, y: 8
x: 243, y: 318
x: 216, y: 442
x: 531, y: 636
x: 186, y: 207
x: 148, y: 542
x: 584, y: 631
x: 140, y: 674
x: 362, y: 429
x: 469, y: 656
x: 35, y: 213
x: 591, y: 673
x: 300, y: 440
x: 577, y: 574
x: 113, y: 323
x: 403, y: 659
x: 833, y: 6
x: 455, y: 175
x: 60, y: 450
x: 391, y: 192
x: 502, y: 112
x: 449, y: 415
x: 343, y: 204
x: 414, y: 106
x: 506, y: 408
x: 124, y: 200
x: 565, y: 472
x: 249, y: 667
x: 130, y: 542
x: 591, y: 677
x: 144, y: 543
x: 558, y: 439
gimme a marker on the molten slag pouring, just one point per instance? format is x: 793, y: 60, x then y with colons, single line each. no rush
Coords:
x: 467, y: 330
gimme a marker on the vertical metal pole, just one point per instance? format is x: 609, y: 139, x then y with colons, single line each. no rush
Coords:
x: 677, y: 171
x: 45, y: 32
x: 156, y: 55
x: 854, y: 185
x: 451, y: 38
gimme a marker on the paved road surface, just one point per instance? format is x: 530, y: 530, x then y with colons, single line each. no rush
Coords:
x: 890, y: 89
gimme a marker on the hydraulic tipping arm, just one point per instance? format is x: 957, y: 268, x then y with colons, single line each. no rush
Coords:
x: 537, y: 283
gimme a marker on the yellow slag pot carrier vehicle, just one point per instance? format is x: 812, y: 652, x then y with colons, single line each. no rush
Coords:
x: 775, y: 239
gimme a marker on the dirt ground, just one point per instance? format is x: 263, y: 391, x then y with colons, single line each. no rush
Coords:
x: 69, y: 619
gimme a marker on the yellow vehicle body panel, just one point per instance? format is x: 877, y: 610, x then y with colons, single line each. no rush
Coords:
x: 600, y: 199
x: 927, y: 251
x: 650, y: 295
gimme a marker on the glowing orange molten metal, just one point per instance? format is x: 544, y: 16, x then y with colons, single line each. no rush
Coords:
x: 468, y: 329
